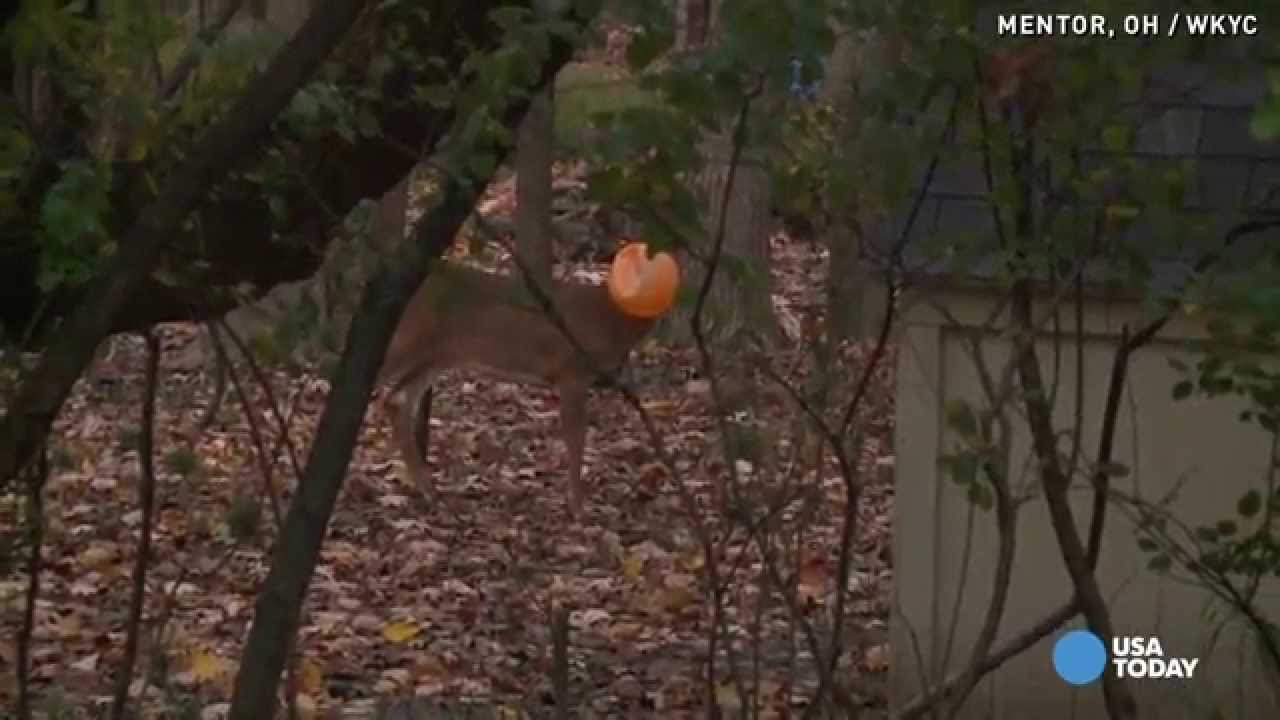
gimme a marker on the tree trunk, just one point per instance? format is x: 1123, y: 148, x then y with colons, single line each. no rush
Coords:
x: 740, y: 297
x: 287, y: 15
x: 846, y: 275
x: 280, y: 600
x: 694, y: 19
x: 856, y: 300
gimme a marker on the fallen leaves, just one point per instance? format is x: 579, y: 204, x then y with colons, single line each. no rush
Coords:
x: 439, y: 595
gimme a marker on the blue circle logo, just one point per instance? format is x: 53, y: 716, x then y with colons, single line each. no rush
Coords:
x: 1079, y: 657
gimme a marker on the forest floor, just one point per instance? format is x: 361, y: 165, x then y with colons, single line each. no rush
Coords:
x: 448, y: 593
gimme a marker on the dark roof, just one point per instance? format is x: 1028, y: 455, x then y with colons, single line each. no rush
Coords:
x: 1189, y: 118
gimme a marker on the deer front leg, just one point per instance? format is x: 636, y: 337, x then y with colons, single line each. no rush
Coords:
x: 407, y: 423
x: 573, y: 427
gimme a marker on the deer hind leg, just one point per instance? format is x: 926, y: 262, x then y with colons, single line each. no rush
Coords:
x: 410, y: 428
x: 573, y: 428
x: 423, y: 421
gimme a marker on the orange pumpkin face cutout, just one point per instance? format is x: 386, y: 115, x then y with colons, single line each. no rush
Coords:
x: 641, y: 286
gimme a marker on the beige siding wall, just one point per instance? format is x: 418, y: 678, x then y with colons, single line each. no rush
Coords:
x: 1196, y: 443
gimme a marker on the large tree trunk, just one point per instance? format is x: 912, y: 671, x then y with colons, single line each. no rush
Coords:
x: 856, y: 294
x: 740, y: 296
x: 693, y: 23
x: 846, y: 275
x: 287, y: 15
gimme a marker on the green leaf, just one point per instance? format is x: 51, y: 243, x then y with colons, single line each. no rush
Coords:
x: 645, y: 47
x: 1116, y: 138
x: 981, y: 495
x: 1182, y: 389
x: 279, y: 210
x: 481, y: 164
x: 1265, y: 123
x: 962, y: 418
x: 510, y: 17
x: 1116, y: 212
x: 1249, y: 505
x: 963, y: 467
x: 439, y: 96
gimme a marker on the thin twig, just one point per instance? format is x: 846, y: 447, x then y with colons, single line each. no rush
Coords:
x: 146, y: 502
x: 219, y: 387
x: 695, y: 322
x: 264, y: 382
x: 265, y: 461
x: 37, y: 472
x: 560, y: 660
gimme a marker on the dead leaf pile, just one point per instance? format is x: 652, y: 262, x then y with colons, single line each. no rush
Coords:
x: 444, y: 592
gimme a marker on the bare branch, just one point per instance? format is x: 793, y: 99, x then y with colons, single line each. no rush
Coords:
x: 146, y: 502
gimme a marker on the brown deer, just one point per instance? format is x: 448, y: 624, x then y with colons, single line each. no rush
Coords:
x: 469, y: 319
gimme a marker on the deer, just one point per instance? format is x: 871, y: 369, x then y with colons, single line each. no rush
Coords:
x: 495, y: 325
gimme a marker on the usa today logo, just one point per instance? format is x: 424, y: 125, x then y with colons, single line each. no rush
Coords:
x: 1079, y: 657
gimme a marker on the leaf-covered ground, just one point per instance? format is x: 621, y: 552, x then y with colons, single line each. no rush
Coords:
x: 446, y: 593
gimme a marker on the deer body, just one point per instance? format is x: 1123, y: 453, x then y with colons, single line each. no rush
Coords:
x: 469, y: 319
x: 463, y: 317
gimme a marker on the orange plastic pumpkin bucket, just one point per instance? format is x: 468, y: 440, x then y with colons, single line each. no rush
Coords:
x: 641, y: 286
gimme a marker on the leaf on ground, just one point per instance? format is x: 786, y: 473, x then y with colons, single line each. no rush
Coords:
x: 401, y: 632
x: 207, y: 667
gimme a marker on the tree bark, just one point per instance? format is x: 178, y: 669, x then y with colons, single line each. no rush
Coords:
x: 846, y: 276
x: 741, y: 292
x: 693, y: 23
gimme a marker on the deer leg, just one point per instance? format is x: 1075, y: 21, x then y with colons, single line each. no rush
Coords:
x: 573, y: 427
x: 423, y: 422
x: 408, y: 401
